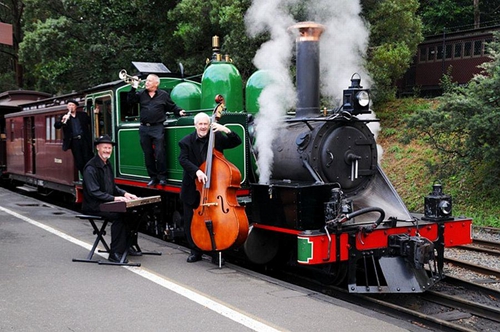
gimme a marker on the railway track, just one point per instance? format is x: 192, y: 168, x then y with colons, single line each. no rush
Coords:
x: 482, y: 247
x: 452, y: 305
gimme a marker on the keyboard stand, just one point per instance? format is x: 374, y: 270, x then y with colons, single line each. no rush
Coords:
x: 135, y: 246
x: 132, y: 243
x: 100, y: 232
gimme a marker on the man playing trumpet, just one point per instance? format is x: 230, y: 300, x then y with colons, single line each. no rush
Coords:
x: 76, y: 134
x: 154, y: 103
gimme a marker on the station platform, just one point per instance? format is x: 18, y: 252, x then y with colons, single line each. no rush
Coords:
x: 44, y: 290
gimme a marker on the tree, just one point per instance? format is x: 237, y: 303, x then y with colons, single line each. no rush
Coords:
x: 11, y: 12
x: 465, y: 127
x: 449, y: 15
x: 75, y: 44
x: 395, y: 33
x: 200, y: 20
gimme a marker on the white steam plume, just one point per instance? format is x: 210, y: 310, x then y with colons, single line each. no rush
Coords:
x: 342, y: 47
x: 274, y: 56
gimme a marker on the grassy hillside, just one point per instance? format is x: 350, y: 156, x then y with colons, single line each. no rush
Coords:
x: 413, y: 168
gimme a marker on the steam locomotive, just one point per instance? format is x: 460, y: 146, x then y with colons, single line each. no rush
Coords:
x: 328, y: 207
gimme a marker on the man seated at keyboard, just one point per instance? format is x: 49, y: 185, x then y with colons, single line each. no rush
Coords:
x: 99, y: 187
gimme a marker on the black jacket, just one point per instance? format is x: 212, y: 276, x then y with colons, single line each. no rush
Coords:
x: 98, y: 185
x: 191, y: 159
x: 68, y: 131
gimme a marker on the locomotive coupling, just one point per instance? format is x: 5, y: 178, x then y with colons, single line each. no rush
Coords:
x: 417, y: 251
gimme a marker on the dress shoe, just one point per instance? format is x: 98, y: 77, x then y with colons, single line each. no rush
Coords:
x: 194, y: 258
x: 153, y: 182
x: 163, y: 183
x: 133, y: 252
x: 116, y: 258
x: 215, y: 260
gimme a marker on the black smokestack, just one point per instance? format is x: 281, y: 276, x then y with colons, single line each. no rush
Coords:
x: 307, y: 45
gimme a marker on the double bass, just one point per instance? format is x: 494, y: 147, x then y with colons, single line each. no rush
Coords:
x: 219, y: 222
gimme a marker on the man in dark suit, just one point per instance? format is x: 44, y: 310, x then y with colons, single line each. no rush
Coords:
x: 193, y: 153
x: 76, y: 134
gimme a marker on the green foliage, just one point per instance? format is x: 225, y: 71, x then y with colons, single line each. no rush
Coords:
x: 450, y: 15
x: 447, y: 83
x: 75, y: 44
x: 438, y: 14
x: 413, y: 165
x: 395, y: 34
x: 200, y: 20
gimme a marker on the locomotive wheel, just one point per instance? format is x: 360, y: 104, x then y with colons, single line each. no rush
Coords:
x: 331, y: 274
x: 261, y: 246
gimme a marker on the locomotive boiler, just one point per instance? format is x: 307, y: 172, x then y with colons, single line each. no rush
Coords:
x: 330, y: 207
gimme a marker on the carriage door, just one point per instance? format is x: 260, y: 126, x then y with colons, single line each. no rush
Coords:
x: 29, y: 145
x: 102, y: 119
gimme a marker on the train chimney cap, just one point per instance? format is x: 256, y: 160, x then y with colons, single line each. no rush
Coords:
x: 308, y: 31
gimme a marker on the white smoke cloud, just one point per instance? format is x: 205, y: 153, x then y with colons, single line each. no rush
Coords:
x: 274, y: 56
x: 342, y: 47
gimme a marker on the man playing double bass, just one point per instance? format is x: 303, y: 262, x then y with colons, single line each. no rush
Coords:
x: 193, y: 152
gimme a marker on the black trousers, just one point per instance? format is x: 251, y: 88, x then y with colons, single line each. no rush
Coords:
x: 120, y: 230
x: 153, y: 146
x: 188, y: 218
x: 82, y: 153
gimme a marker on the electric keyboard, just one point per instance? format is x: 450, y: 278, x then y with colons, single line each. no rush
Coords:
x: 126, y: 206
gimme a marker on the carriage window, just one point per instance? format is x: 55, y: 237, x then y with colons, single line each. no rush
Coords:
x: 478, y: 47
x: 52, y: 135
x: 432, y: 52
x: 128, y: 112
x: 423, y: 54
x: 448, y: 51
x: 467, y: 49
x: 102, y: 116
x: 439, y: 53
x: 458, y: 50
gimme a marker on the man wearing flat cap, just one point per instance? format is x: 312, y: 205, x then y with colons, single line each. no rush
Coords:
x: 76, y: 134
x: 99, y: 187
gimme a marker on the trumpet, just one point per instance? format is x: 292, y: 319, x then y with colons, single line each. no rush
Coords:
x: 128, y: 78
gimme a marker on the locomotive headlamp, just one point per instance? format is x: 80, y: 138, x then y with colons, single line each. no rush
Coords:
x: 356, y: 99
x: 363, y: 98
x: 437, y: 205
